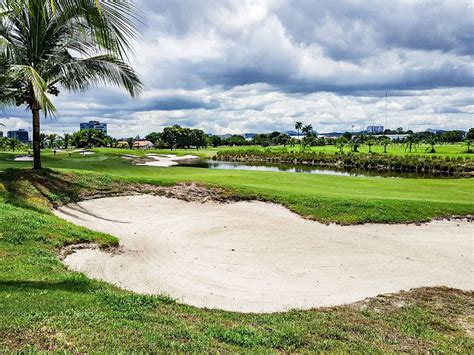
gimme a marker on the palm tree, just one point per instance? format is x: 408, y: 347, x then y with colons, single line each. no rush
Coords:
x: 370, y: 143
x: 73, y: 44
x: 340, y: 143
x: 307, y: 129
x: 432, y: 140
x: 385, y: 141
x: 468, y: 144
x: 355, y: 143
x: 66, y: 140
x: 130, y: 142
x: 52, y: 141
x: 410, y: 141
x: 298, y: 127
x: 43, y: 140
x: 13, y: 144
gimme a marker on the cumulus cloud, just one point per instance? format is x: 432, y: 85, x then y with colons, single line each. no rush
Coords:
x: 258, y: 65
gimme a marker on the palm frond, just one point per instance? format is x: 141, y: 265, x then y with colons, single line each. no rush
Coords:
x: 80, y: 75
x: 38, y: 85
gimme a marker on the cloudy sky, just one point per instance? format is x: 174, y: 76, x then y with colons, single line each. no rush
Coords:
x: 256, y: 66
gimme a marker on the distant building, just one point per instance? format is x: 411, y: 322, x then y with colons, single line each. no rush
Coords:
x: 375, y: 129
x: 1, y: 134
x: 143, y: 144
x: 21, y: 135
x: 96, y: 125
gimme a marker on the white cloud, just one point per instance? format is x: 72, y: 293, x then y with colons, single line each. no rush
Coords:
x: 236, y: 66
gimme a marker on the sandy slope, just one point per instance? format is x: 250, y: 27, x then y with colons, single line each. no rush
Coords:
x: 257, y: 257
x: 166, y: 160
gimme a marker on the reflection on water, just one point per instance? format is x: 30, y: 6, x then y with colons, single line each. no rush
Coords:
x: 225, y: 165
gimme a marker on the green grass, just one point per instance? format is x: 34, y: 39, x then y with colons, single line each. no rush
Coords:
x: 45, y: 307
x: 448, y: 150
x: 341, y: 199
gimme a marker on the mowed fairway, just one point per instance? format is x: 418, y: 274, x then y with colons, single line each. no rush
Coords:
x: 340, y: 199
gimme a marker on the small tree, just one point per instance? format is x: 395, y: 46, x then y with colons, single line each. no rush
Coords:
x: 385, y: 141
x: 130, y: 142
x: 13, y: 144
x: 341, y: 143
x: 370, y: 143
x: 66, y: 140
x: 355, y: 143
x: 410, y: 141
x: 52, y: 141
x: 431, y: 141
x: 468, y: 144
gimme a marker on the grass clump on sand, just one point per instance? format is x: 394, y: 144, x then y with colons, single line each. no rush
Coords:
x: 45, y: 307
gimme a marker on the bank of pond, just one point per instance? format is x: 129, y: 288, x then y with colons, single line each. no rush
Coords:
x: 344, y: 163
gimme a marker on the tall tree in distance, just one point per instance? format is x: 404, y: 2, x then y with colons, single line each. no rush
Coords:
x: 307, y: 130
x: 298, y: 127
x: 46, y: 45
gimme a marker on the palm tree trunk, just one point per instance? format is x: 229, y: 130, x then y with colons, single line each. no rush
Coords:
x: 36, y: 139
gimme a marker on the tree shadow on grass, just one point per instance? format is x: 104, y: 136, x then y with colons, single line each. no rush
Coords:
x: 82, y: 285
x: 28, y: 188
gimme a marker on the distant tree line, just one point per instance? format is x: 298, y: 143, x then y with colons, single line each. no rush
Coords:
x: 10, y: 144
x: 177, y: 137
x: 87, y: 138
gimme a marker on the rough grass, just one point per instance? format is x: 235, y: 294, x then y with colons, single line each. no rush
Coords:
x: 44, y: 307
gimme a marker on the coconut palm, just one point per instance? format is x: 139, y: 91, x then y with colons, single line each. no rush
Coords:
x: 468, y: 145
x: 431, y: 141
x: 66, y: 140
x: 385, y: 141
x: 13, y: 144
x: 130, y: 142
x: 340, y: 143
x: 308, y: 129
x: 411, y: 140
x: 70, y: 44
x: 298, y: 127
x: 355, y: 143
x: 53, y: 140
x: 370, y: 143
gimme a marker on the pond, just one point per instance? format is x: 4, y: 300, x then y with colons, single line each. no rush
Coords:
x: 320, y: 170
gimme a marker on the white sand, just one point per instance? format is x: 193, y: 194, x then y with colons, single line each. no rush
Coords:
x: 166, y: 160
x: 23, y: 158
x: 258, y: 257
x: 82, y: 151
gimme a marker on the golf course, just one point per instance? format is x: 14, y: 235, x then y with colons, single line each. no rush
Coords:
x: 236, y: 177
x: 54, y: 307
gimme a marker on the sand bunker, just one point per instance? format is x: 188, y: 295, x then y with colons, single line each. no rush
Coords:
x: 83, y: 152
x: 23, y: 158
x: 166, y: 160
x: 258, y: 257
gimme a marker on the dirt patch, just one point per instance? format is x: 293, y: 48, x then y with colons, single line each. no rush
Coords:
x: 190, y: 192
x: 70, y: 249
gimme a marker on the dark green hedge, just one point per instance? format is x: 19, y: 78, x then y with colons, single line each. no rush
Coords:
x: 374, y: 161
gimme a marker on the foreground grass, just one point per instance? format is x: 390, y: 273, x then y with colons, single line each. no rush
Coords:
x: 45, y: 307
